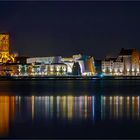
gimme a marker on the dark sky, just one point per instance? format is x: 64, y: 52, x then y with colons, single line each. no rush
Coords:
x: 66, y: 28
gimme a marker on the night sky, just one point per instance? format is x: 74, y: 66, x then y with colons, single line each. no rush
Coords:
x: 67, y: 28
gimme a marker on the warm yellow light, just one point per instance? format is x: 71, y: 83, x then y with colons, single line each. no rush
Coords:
x: 133, y: 97
x: 121, y: 97
x: 121, y: 70
x: 4, y: 115
x: 103, y: 70
x: 32, y: 107
x: 51, y: 69
x: 51, y: 97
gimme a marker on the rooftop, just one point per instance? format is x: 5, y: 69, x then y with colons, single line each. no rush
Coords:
x: 126, y: 51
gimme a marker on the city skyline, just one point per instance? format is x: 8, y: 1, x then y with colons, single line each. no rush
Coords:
x: 69, y: 69
x: 66, y: 28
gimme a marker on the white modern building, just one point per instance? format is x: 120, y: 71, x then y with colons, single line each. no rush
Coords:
x: 44, y: 60
x: 47, y: 66
x: 69, y: 62
x: 55, y: 69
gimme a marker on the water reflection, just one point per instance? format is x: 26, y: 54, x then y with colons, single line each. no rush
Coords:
x: 33, y: 104
x: 24, y: 109
x: 119, y: 107
x: 4, y: 115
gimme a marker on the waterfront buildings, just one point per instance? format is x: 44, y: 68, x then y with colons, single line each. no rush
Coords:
x: 54, y: 69
x: 131, y: 61
x: 57, y: 65
x: 47, y: 66
x: 126, y: 63
x: 19, y: 69
x: 112, y: 66
x: 107, y: 65
x: 14, y: 69
x: 44, y: 60
x: 14, y: 65
x: 69, y: 63
x: 86, y: 65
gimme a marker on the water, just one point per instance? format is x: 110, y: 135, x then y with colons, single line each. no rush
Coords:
x: 70, y: 109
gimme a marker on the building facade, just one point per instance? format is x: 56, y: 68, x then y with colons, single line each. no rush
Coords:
x: 131, y: 61
x: 54, y: 69
x: 44, y: 60
x: 108, y: 66
x: 14, y: 69
x: 126, y: 63
x: 69, y: 62
x: 5, y: 56
x: 86, y: 64
x: 47, y: 66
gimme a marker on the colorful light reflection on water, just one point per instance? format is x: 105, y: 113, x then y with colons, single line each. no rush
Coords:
x: 21, y: 109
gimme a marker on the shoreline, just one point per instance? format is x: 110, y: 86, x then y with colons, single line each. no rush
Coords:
x: 69, y: 78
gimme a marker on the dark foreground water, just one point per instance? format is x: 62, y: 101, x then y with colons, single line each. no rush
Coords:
x: 70, y: 109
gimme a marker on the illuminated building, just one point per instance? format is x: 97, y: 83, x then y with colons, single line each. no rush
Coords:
x: 69, y: 62
x: 118, y: 66
x: 131, y: 61
x: 112, y: 66
x: 14, y: 69
x: 47, y: 66
x: 89, y: 66
x: 82, y: 65
x: 76, y: 57
x: 86, y: 64
x: 54, y: 69
x: 44, y: 60
x: 65, y: 64
x: 35, y: 69
x: 127, y: 63
x: 108, y: 65
x: 5, y: 56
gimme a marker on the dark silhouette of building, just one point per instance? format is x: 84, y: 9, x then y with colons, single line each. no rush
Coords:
x: 97, y: 64
x: 76, y: 70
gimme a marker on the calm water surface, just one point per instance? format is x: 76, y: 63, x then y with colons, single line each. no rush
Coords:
x: 70, y: 109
